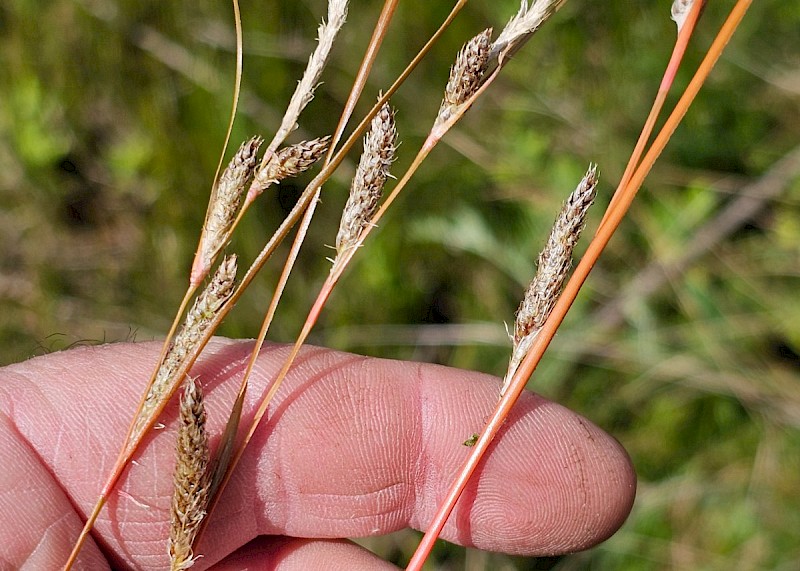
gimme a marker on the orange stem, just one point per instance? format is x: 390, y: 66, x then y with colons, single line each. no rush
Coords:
x: 681, y: 42
x: 128, y: 447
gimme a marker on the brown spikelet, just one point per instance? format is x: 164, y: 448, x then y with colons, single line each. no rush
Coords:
x: 371, y: 174
x: 223, y: 206
x: 680, y: 10
x: 190, y: 493
x: 197, y: 321
x: 288, y: 162
x: 466, y: 74
x: 554, y: 265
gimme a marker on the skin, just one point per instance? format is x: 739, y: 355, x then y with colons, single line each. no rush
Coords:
x: 351, y: 447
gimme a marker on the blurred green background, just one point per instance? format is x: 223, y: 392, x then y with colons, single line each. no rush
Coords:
x: 685, y: 342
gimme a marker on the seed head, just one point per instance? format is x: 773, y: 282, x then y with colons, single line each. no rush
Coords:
x: 370, y: 177
x: 304, y: 92
x: 190, y: 492
x: 223, y: 206
x: 523, y: 25
x: 288, y: 162
x: 554, y: 265
x: 197, y: 321
x: 466, y: 74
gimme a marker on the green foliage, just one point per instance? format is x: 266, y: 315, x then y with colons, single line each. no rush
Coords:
x: 112, y: 118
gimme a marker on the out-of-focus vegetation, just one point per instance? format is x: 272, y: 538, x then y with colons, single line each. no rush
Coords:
x: 112, y: 115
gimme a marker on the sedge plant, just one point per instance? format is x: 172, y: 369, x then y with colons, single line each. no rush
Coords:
x: 200, y: 478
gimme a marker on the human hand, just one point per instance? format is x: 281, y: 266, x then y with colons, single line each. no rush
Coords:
x: 351, y: 447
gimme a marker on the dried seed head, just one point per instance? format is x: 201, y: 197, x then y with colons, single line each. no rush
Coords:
x: 196, y: 323
x: 371, y: 174
x: 223, y: 206
x: 522, y: 26
x: 554, y: 264
x: 190, y: 492
x: 304, y: 92
x: 288, y: 162
x: 217, y: 292
x: 556, y: 258
x: 680, y: 10
x: 232, y: 180
x: 466, y: 74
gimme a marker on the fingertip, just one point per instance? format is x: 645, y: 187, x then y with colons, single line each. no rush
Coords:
x: 578, y: 483
x: 551, y: 483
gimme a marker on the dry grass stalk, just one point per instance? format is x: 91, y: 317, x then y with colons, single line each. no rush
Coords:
x: 223, y: 206
x: 289, y: 162
x: 197, y: 321
x: 554, y: 265
x: 685, y: 13
x: 465, y: 75
x: 680, y: 11
x: 373, y: 169
x: 190, y: 494
x: 304, y: 92
x: 522, y: 26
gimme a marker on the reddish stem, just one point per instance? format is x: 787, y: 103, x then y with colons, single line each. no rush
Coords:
x: 681, y: 42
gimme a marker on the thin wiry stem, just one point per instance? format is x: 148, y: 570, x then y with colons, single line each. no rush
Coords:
x: 686, y: 26
x: 304, y: 92
x: 206, y: 255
